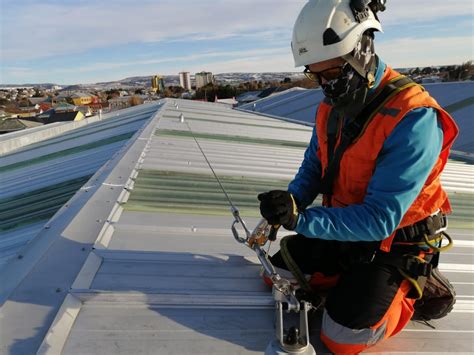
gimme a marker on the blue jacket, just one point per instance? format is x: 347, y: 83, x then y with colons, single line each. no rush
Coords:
x: 407, y: 158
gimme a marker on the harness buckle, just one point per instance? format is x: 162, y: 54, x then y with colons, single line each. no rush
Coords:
x: 417, y: 267
x: 436, y: 228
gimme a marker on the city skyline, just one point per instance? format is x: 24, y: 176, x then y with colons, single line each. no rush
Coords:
x: 69, y: 42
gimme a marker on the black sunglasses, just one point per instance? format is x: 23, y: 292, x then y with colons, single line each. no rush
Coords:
x: 328, y: 74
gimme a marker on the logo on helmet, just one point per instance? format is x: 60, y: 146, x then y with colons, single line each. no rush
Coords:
x: 303, y: 50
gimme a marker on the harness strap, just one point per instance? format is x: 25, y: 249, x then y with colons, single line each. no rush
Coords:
x: 413, y: 265
x: 431, y: 226
x: 355, y: 129
x: 413, y: 268
x: 425, y: 232
x: 333, y: 129
x: 292, y: 266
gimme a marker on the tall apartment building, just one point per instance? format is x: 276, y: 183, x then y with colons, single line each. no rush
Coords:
x: 185, y: 80
x: 157, y: 83
x: 203, y: 78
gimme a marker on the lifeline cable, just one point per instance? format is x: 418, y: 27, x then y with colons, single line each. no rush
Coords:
x: 233, y: 208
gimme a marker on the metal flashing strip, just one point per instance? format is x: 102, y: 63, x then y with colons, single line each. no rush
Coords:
x: 107, y: 230
x: 57, y: 335
x: 105, y: 235
x: 89, y: 270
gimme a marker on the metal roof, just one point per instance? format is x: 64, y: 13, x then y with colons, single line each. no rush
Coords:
x: 40, y: 178
x: 142, y: 259
x: 299, y: 104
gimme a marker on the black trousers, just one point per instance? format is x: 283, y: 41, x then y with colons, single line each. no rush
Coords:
x: 364, y: 291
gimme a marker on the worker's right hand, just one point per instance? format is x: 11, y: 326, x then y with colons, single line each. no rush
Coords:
x: 278, y: 207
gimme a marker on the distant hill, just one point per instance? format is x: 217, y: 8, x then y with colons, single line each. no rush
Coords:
x: 27, y: 85
x: 145, y: 81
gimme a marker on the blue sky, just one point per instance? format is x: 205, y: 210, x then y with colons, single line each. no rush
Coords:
x: 86, y: 41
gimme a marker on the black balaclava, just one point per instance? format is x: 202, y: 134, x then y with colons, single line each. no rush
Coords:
x: 351, y: 87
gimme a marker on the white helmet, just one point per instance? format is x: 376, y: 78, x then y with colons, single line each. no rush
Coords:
x: 327, y: 29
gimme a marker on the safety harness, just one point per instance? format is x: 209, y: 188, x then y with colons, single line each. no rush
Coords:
x: 356, y: 128
x: 415, y: 265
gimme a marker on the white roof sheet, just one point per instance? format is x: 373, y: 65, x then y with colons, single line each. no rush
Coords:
x: 165, y: 275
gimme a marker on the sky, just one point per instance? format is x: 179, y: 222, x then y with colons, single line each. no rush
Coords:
x: 88, y: 41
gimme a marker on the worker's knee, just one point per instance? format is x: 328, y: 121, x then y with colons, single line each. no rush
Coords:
x: 344, y: 340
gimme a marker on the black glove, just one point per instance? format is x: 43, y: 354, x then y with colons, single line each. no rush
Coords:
x: 279, y: 207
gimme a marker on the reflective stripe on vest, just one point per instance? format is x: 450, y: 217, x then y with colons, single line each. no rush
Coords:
x: 359, y: 160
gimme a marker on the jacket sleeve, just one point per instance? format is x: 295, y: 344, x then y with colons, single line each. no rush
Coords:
x: 305, y: 184
x: 404, y: 163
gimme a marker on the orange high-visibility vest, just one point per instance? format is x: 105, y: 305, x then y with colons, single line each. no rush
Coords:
x: 359, y: 161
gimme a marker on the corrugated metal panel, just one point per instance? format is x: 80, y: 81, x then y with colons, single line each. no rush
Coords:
x: 301, y: 104
x: 173, y: 239
x: 296, y: 104
x: 40, y: 178
x: 167, y: 277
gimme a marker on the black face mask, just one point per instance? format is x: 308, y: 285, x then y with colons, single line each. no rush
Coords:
x: 350, y: 86
x: 347, y: 83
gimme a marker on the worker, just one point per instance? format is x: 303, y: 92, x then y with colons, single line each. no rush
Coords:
x: 378, y: 149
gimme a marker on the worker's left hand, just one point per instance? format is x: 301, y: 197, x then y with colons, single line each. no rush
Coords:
x: 278, y: 207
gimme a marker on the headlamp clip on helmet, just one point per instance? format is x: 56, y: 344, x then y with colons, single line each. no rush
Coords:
x: 360, y: 8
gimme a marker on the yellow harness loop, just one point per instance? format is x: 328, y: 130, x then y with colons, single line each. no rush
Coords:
x: 440, y: 249
x: 413, y: 281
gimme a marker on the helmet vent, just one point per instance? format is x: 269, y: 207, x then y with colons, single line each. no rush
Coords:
x: 330, y: 37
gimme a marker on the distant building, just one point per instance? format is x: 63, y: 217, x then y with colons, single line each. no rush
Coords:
x: 23, y: 112
x: 64, y: 106
x: 185, y: 80
x: 37, y: 100
x: 203, y: 79
x: 119, y: 103
x: 60, y: 117
x: 45, y: 106
x: 157, y: 84
x: 81, y: 98
x: 86, y: 110
x: 16, y: 124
